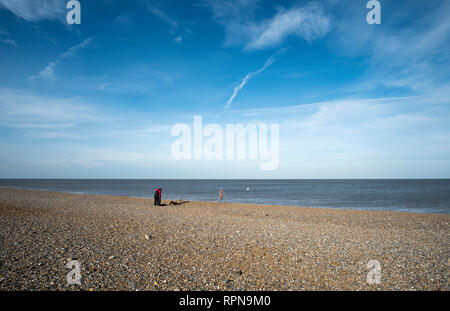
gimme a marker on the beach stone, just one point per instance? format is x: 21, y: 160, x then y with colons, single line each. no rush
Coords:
x: 212, y: 246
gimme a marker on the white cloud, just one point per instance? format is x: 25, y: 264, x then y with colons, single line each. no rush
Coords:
x: 244, y: 81
x: 74, y: 49
x: 178, y: 39
x: 90, y: 137
x: 402, y: 52
x: 123, y: 20
x: 23, y: 109
x: 46, y: 126
x: 54, y: 135
x: 236, y: 16
x: 9, y: 41
x: 178, y: 34
x: 51, y: 117
x: 48, y: 73
x: 308, y: 22
x: 400, y: 137
x: 5, y: 38
x: 34, y: 11
x: 161, y: 15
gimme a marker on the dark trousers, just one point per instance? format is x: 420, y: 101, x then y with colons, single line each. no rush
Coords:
x: 156, y: 199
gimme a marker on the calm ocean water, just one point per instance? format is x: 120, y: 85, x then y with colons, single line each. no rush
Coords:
x: 428, y: 195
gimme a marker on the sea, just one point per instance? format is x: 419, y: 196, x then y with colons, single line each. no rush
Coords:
x: 405, y: 195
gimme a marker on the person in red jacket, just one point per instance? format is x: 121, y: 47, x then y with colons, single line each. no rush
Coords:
x: 221, y: 194
x: 157, y: 197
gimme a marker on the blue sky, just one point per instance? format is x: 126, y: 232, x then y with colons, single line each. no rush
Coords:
x: 98, y: 100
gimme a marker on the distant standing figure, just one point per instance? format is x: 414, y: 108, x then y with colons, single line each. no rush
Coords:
x: 157, y: 197
x: 221, y: 195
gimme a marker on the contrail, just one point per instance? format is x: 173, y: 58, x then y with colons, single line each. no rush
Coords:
x: 236, y: 90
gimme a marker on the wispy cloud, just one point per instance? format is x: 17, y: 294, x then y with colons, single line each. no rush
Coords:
x: 74, y: 49
x: 25, y: 109
x: 34, y: 11
x: 160, y: 14
x: 178, y: 39
x: 178, y: 32
x: 244, y: 81
x: 6, y: 39
x: 401, y: 53
x: 91, y: 137
x: 48, y: 73
x: 308, y: 22
x: 9, y: 41
x: 46, y: 114
x: 123, y: 20
x: 397, y: 137
x: 236, y: 16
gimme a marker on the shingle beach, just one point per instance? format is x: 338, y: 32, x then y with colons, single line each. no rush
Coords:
x: 125, y: 243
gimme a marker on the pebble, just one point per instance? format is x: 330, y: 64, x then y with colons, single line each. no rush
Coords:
x: 198, y: 248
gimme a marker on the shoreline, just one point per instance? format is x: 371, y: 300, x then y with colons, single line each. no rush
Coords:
x: 228, y: 203
x: 125, y: 243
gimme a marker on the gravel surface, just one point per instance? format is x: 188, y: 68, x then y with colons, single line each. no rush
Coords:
x: 126, y: 243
